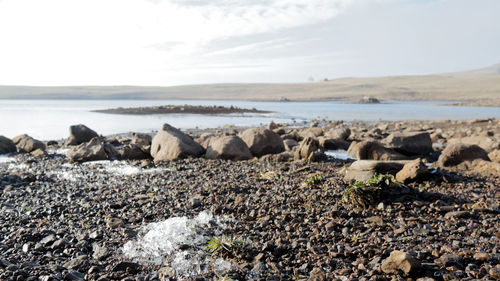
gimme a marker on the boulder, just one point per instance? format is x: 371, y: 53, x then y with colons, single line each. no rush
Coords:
x: 487, y: 143
x: 457, y: 153
x: 372, y: 150
x: 290, y: 144
x: 7, y: 145
x: 262, y: 141
x: 333, y: 144
x: 312, y: 132
x: 401, y: 262
x: 79, y: 134
x: 228, y: 147
x: 89, y: 151
x: 293, y: 135
x: 410, y: 143
x: 170, y: 144
x: 272, y: 126
x: 306, y: 149
x: 412, y: 171
x: 133, y: 152
x: 205, y: 139
x: 27, y: 144
x: 338, y: 133
x: 495, y: 155
x: 39, y: 153
x: 362, y: 170
x: 143, y: 141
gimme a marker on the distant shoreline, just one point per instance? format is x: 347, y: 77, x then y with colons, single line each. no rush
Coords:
x: 179, y: 109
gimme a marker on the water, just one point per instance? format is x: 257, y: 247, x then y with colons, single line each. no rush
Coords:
x: 50, y: 119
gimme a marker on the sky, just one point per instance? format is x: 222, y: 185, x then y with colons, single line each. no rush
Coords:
x: 176, y: 42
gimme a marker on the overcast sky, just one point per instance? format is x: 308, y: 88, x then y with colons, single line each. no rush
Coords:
x: 172, y: 42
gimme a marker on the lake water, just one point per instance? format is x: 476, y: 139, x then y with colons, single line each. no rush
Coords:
x: 50, y: 119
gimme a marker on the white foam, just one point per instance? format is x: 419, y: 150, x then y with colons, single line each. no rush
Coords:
x: 6, y: 159
x: 160, y: 243
x: 61, y: 151
x: 122, y: 168
x: 66, y: 175
x: 339, y: 154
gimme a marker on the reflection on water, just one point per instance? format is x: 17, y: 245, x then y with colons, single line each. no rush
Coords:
x: 50, y: 119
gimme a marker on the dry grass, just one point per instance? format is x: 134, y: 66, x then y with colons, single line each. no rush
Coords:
x: 479, y: 87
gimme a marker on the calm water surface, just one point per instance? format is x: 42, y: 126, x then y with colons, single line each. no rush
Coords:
x: 50, y: 119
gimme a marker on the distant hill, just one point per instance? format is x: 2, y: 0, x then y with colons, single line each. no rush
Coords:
x: 479, y: 87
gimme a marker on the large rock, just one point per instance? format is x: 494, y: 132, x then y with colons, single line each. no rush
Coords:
x: 133, y: 152
x: 312, y: 132
x: 7, y: 145
x: 338, y: 133
x: 290, y: 144
x: 205, y: 139
x: 412, y: 171
x: 372, y: 150
x: 362, y: 170
x: 79, y: 134
x: 487, y: 143
x: 401, y: 262
x: 310, y: 150
x: 143, y: 141
x: 333, y: 144
x: 410, y: 143
x: 170, y: 144
x: 27, y: 144
x: 262, y: 141
x: 89, y: 151
x: 228, y: 147
x: 457, y: 153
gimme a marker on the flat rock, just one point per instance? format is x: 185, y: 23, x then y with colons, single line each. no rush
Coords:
x: 362, y: 170
x: 410, y: 143
x: 90, y: 151
x: 372, y: 150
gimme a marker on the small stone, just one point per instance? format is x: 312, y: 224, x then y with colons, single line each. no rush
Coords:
x: 195, y: 202
x: 75, y: 276
x: 114, y: 223
x: 59, y: 244
x: 399, y: 261
x: 482, y: 257
x: 495, y: 273
x: 456, y: 214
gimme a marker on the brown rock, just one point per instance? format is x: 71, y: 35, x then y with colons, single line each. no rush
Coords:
x: 90, y: 151
x: 79, y: 134
x: 457, y: 153
x: 7, y: 145
x: 228, y: 147
x: 39, y: 153
x: 171, y: 144
x: 485, y: 142
x: 333, y: 144
x: 262, y: 141
x: 372, y: 150
x: 495, y: 155
x: 306, y: 149
x: 410, y: 143
x: 412, y: 171
x: 362, y: 170
x: 400, y: 262
x: 27, y: 144
x: 338, y: 133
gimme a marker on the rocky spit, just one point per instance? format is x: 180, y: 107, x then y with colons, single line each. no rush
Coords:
x: 265, y: 218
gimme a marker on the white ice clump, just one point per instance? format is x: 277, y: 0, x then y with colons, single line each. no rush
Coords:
x: 161, y: 244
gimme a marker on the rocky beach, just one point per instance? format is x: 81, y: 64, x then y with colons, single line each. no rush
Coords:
x: 414, y: 200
